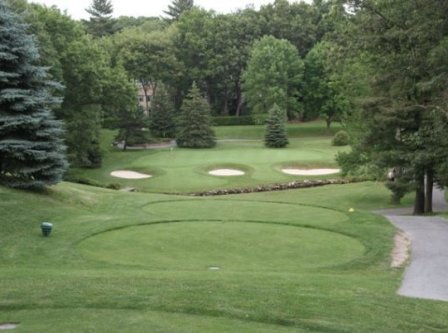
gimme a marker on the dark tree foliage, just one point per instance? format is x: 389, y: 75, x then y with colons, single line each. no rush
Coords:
x: 83, y: 137
x: 178, y: 7
x: 405, y: 42
x: 276, y: 136
x: 194, y: 128
x: 130, y: 122
x: 32, y: 153
x: 100, y: 23
x: 162, y: 110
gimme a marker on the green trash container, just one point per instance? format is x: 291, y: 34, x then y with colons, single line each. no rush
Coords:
x: 46, y: 228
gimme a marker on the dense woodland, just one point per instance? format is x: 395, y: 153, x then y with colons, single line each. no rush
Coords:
x: 379, y: 66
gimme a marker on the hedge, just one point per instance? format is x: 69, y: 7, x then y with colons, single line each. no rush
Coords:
x: 239, y: 121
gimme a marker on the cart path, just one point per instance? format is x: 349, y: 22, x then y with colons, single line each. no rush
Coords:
x: 427, y: 274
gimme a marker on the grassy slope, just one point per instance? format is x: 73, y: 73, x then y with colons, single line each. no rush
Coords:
x: 51, y: 285
x: 185, y: 170
x: 115, y: 262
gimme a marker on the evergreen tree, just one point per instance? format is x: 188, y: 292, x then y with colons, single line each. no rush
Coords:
x: 276, y: 136
x: 176, y: 9
x: 101, y: 22
x: 194, y: 128
x: 32, y: 153
x: 162, y: 109
x: 405, y: 42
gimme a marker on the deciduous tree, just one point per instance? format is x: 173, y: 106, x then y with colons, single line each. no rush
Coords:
x: 273, y: 76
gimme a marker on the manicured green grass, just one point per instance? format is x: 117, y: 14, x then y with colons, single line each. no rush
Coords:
x: 295, y: 130
x: 290, y: 261
x: 186, y: 170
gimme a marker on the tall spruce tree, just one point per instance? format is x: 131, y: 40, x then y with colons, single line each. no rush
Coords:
x: 194, y: 128
x: 162, y: 110
x: 32, y: 153
x: 101, y: 22
x: 176, y: 9
x: 275, y: 136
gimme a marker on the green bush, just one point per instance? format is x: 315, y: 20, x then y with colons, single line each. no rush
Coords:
x: 233, y: 120
x: 341, y: 138
x: 135, y: 137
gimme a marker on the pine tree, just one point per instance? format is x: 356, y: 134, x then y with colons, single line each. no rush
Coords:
x: 162, y: 122
x: 101, y: 22
x: 275, y: 136
x: 32, y: 153
x: 194, y: 128
x: 178, y: 7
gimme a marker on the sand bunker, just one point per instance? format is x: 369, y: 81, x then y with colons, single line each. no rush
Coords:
x: 226, y: 172
x: 310, y: 172
x: 129, y: 174
x: 8, y: 326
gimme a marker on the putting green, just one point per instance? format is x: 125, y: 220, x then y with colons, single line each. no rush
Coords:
x: 222, y: 246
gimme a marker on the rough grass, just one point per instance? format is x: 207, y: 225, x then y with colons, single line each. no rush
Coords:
x: 57, y: 284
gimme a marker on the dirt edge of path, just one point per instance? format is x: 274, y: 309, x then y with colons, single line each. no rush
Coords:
x: 402, y: 249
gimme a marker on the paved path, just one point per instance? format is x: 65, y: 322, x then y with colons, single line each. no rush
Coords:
x: 170, y: 144
x: 427, y: 274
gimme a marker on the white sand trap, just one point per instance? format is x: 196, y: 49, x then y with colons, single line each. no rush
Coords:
x: 226, y: 172
x: 129, y: 174
x: 310, y: 172
x: 8, y: 326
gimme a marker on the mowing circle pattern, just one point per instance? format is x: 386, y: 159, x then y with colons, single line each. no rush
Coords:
x: 242, y: 246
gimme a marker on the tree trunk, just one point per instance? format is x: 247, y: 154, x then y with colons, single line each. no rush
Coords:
x: 125, y: 139
x: 328, y: 122
x: 144, y: 87
x: 225, y: 110
x: 428, y: 189
x: 419, y: 204
x: 239, y: 100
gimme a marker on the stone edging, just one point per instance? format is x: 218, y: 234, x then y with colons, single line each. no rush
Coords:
x: 278, y: 186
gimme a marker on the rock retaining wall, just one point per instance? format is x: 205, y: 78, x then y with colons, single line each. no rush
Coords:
x: 278, y: 186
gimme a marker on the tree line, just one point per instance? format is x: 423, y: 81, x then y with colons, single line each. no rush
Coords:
x: 99, y: 61
x: 377, y: 65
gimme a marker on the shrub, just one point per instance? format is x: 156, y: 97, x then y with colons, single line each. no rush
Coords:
x: 233, y: 120
x: 136, y: 137
x: 341, y: 138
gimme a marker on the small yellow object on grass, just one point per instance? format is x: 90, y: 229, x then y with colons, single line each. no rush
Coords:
x: 351, y: 210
